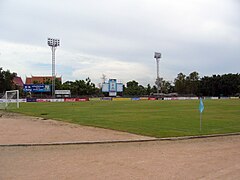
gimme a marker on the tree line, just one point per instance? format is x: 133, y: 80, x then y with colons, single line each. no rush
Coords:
x: 187, y: 85
x: 215, y: 85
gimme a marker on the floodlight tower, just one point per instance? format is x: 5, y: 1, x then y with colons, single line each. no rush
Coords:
x: 157, y: 56
x: 53, y: 43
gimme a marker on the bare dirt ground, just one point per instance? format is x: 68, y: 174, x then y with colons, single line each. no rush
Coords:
x: 209, y: 158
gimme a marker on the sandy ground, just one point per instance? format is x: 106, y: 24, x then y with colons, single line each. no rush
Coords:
x: 209, y: 158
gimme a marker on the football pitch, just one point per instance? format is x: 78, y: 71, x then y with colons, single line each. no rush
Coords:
x: 149, y: 118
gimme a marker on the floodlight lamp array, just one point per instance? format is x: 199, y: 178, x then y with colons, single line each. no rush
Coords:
x: 53, y: 42
x: 157, y: 55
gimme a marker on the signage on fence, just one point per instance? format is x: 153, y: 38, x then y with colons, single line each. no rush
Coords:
x: 107, y: 98
x: 43, y: 100
x: 152, y: 98
x: 37, y: 88
x: 121, y: 99
x: 31, y: 100
x: 75, y: 99
x: 136, y: 99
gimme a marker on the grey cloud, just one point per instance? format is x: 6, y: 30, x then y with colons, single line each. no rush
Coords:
x: 191, y: 35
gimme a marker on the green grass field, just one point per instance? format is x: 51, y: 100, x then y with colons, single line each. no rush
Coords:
x: 151, y: 118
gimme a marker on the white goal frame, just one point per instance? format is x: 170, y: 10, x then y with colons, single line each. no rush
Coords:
x: 8, y: 100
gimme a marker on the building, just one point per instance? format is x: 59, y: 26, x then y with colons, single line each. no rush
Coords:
x: 18, y: 82
x: 40, y: 79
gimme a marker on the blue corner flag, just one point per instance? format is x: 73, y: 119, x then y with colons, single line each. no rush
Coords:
x: 201, y: 106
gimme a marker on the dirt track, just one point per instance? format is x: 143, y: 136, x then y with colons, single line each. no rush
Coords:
x: 210, y: 158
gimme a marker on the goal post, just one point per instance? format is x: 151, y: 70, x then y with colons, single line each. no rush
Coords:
x: 10, y: 100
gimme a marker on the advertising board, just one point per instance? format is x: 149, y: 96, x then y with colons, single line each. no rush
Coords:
x: 135, y: 99
x: 67, y: 92
x: 152, y: 98
x: 121, y: 99
x: 75, y: 99
x: 43, y: 100
x: 31, y: 100
x: 143, y: 98
x: 106, y: 99
x: 37, y: 88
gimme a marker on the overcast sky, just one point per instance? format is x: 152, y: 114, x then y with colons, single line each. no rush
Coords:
x: 118, y: 38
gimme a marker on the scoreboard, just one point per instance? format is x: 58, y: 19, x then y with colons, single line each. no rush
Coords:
x: 112, y: 87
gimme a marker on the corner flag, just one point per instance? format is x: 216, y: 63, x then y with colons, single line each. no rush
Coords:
x: 201, y: 106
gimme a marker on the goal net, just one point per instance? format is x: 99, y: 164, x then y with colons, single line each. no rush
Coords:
x: 10, y: 100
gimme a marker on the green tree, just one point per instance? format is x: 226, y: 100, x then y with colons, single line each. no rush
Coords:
x: 6, y: 80
x: 220, y: 85
x: 180, y: 83
x: 132, y: 88
x: 192, y: 83
x: 81, y: 87
x: 148, y: 90
x: 154, y: 89
x: 36, y: 82
x: 166, y: 87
